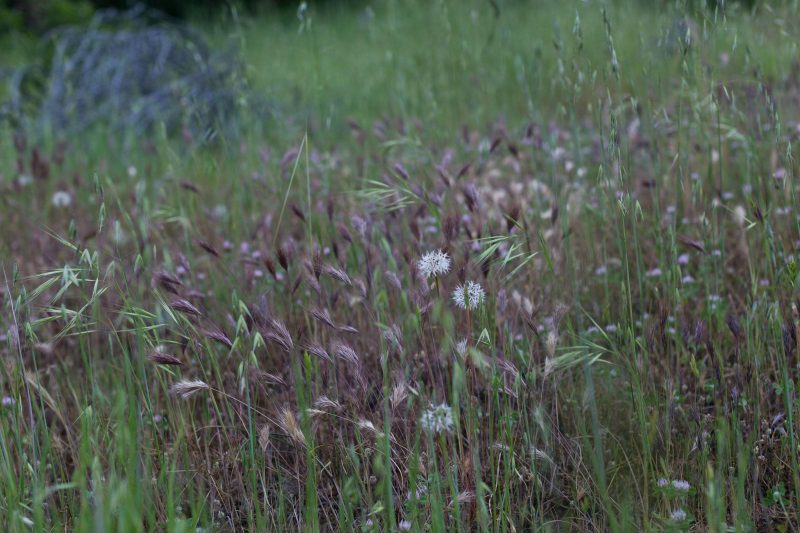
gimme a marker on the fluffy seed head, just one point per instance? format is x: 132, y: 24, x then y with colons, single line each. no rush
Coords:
x: 678, y: 515
x: 434, y: 264
x: 438, y: 419
x: 470, y: 295
x: 681, y: 485
x: 61, y: 199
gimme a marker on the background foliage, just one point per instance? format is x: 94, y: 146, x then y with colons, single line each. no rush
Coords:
x: 40, y: 15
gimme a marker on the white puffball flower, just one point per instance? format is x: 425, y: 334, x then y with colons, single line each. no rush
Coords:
x: 434, y: 264
x: 678, y: 515
x: 470, y: 295
x: 437, y: 419
x: 681, y: 485
x: 61, y: 199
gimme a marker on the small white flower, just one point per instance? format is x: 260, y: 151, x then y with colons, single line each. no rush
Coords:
x: 8, y: 401
x: 469, y: 295
x: 132, y: 172
x: 404, y: 525
x: 681, y: 485
x: 678, y: 515
x: 437, y: 419
x: 663, y: 482
x: 434, y: 264
x: 61, y: 199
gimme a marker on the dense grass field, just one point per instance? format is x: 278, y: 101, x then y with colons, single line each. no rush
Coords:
x: 459, y: 266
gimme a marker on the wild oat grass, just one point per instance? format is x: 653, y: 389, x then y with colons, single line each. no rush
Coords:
x: 496, y: 268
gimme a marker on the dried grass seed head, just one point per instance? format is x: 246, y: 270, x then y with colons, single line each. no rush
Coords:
x: 187, y: 388
x: 160, y: 357
x: 289, y: 425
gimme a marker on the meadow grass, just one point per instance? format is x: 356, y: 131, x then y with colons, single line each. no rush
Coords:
x: 245, y: 335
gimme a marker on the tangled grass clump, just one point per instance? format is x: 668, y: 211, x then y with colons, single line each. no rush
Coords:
x: 129, y: 72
